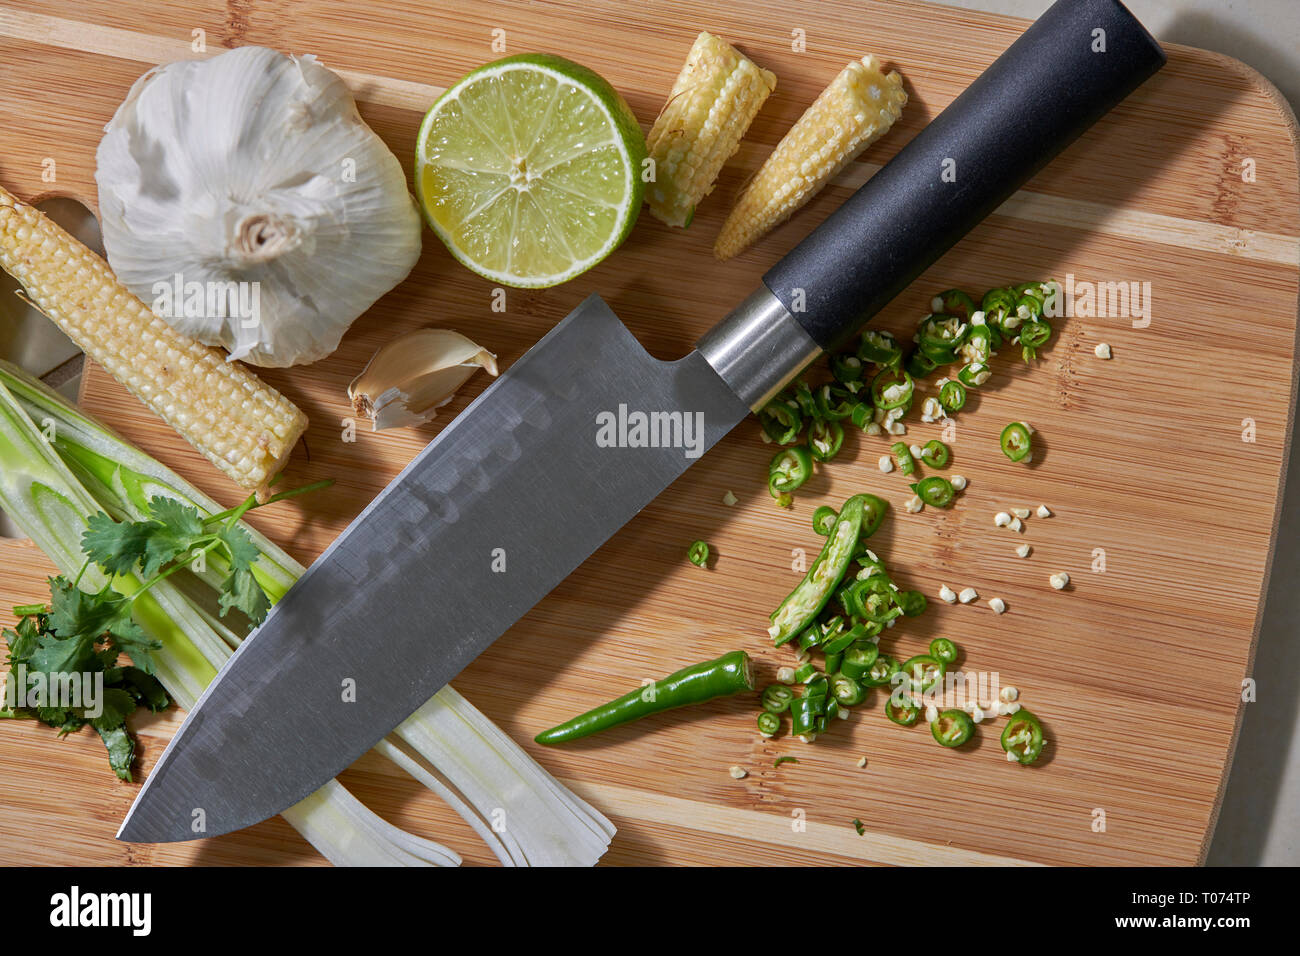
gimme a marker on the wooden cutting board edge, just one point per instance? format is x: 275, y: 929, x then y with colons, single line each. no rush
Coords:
x: 1289, y: 120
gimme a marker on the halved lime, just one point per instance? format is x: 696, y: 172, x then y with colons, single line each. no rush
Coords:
x: 529, y: 169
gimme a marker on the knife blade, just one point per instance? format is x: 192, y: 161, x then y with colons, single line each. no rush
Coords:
x: 581, y: 433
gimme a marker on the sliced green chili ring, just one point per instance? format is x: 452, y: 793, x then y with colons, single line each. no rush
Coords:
x: 892, y: 377
x: 768, y: 723
x: 879, y: 348
x: 935, y: 453
x: 935, y: 490
x: 846, y: 368
x: 777, y: 697
x: 920, y: 365
x: 881, y: 671
x: 854, y: 596
x: 911, y: 603
x: 789, y: 469
x: 825, y: 439
x: 1023, y: 736
x: 819, y: 686
x: 834, y: 402
x: 805, y: 672
x: 842, y: 642
x: 973, y: 375
x: 781, y: 421
x: 923, y: 672
x: 863, y: 414
x: 803, y: 716
x: 823, y: 520
x: 957, y: 302
x: 942, y: 649
x: 698, y: 553
x: 1029, y: 302
x: 906, y: 463
x: 833, y: 659
x: 952, y: 728
x: 1016, y: 441
x: 803, y: 399
x: 873, y: 633
x: 1033, y: 335
x: 858, y: 660
x: 847, y: 690
x: 997, y: 304
x: 879, y: 607
x: 935, y: 355
x: 833, y: 708
x: 805, y: 602
x: 780, y: 760
x: 811, y: 636
x: 941, y: 331
x: 873, y: 513
x: 904, y: 712
x: 978, y: 346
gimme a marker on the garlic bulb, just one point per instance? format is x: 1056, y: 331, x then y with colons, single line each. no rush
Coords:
x: 245, y: 199
x: 414, y: 375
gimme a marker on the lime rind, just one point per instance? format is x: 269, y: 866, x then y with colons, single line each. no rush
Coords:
x: 464, y: 182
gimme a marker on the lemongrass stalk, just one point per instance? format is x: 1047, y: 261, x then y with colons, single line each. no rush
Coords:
x: 545, y: 822
x: 45, y: 500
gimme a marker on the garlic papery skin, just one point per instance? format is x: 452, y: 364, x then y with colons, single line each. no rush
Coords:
x: 414, y: 375
x: 246, y: 201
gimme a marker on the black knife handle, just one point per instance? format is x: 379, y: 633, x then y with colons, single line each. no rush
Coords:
x: 1069, y: 68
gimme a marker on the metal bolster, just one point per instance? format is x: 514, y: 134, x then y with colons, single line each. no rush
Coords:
x: 758, y: 348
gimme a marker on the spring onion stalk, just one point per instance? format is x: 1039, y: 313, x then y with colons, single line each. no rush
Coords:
x: 525, y: 815
x: 50, y: 506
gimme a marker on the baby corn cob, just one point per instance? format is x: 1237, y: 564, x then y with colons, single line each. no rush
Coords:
x: 245, y: 427
x: 858, y: 108
x: 713, y: 101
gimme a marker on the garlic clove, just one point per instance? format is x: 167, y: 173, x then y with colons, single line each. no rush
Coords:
x: 414, y: 375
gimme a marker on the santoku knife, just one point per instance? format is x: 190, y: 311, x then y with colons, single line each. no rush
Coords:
x: 582, y: 432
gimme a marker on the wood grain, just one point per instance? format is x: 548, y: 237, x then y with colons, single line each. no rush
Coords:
x: 1143, y: 455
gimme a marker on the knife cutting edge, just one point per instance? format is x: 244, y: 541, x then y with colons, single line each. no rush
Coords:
x: 521, y: 472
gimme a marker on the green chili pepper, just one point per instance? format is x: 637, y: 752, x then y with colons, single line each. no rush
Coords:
x: 906, y: 463
x: 940, y: 334
x: 846, y: 368
x: 776, y: 698
x: 788, y: 470
x: 832, y: 661
x: 780, y: 760
x: 881, y: 671
x: 911, y: 603
x: 863, y: 414
x: 1016, y: 441
x: 857, y: 825
x: 698, y: 553
x: 942, y: 649
x: 768, y: 723
x: 832, y: 711
x: 783, y: 499
x: 873, y: 512
x: 973, y: 375
x: 879, y: 348
x: 952, y: 396
x: 803, y: 399
x: 842, y: 642
x: 781, y: 421
x: 978, y: 346
x: 858, y: 660
x: 1023, y: 736
x: 998, y: 304
x: 920, y: 364
x: 895, y: 381
x: 952, y: 728
x: 823, y: 520
x: 935, y: 453
x: 805, y: 672
x: 935, y: 490
x: 825, y: 438
x: 956, y: 302
x: 1033, y: 335
x: 923, y: 672
x: 728, y: 674
x: 905, y: 711
x: 803, y: 716
x: 847, y: 690
x: 806, y: 601
x: 834, y: 402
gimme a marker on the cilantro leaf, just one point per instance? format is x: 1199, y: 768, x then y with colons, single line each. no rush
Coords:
x: 241, y: 591
x: 179, y: 528
x: 75, y: 613
x: 116, y: 705
x: 121, y: 751
x: 146, y: 688
x: 116, y: 546
x: 239, y: 545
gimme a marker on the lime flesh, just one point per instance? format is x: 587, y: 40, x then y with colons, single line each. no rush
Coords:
x: 528, y: 169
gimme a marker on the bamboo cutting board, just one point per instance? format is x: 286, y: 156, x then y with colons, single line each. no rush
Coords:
x: 1136, y: 670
